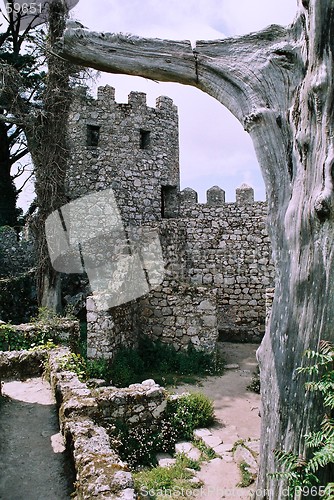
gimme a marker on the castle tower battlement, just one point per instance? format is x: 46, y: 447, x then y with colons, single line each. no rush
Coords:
x: 215, y: 197
x: 130, y: 147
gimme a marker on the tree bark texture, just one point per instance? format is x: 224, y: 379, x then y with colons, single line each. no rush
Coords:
x: 8, y: 211
x: 47, y: 141
x: 279, y: 84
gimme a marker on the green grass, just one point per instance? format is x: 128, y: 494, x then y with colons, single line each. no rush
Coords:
x: 159, y: 482
x: 207, y: 452
x: 247, y: 478
x: 156, y: 360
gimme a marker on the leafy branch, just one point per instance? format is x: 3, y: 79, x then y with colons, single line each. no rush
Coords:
x: 302, y: 473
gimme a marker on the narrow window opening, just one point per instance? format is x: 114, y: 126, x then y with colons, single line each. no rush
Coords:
x: 169, y: 202
x: 93, y: 135
x: 145, y: 139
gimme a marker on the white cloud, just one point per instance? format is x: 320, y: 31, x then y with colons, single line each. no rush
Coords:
x: 186, y: 19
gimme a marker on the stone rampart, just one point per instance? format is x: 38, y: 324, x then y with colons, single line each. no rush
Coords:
x: 228, y: 248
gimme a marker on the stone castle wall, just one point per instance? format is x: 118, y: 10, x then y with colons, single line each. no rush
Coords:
x: 214, y: 253
x: 109, y: 330
x: 228, y: 249
x: 217, y: 271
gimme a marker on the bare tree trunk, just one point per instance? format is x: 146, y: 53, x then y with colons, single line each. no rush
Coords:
x: 8, y: 194
x: 279, y: 85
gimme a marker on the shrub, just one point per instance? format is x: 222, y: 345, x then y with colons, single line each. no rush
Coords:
x: 155, y: 360
x: 189, y: 412
x: 13, y: 340
x: 162, y: 362
x: 164, y: 359
x: 98, y: 368
x: 74, y: 363
x: 126, y: 368
x: 45, y: 332
x: 139, y: 444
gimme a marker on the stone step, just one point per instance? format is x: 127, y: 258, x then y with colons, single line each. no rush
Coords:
x: 242, y: 454
x: 165, y: 460
x: 189, y: 450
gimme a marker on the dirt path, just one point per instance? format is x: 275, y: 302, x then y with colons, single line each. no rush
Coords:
x: 237, y: 413
x: 33, y: 465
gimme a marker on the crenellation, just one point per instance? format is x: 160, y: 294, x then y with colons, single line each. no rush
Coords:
x: 189, y: 197
x: 80, y: 93
x: 106, y: 94
x: 244, y: 194
x: 166, y: 104
x: 215, y: 196
x: 137, y: 99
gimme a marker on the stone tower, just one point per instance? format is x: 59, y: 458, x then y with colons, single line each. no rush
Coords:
x: 130, y: 147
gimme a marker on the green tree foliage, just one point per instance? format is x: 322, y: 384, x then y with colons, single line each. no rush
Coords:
x: 23, y: 53
x: 35, y: 97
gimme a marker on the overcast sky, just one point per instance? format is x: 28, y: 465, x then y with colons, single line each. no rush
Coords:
x: 214, y: 149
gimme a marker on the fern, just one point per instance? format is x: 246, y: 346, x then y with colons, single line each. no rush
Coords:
x: 329, y: 400
x: 298, y: 472
x: 321, y: 458
x: 315, y: 439
x: 329, y: 492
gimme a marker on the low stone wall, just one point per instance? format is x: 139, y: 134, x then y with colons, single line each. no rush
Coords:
x: 18, y: 365
x: 135, y: 405
x: 100, y: 473
x: 228, y: 247
x: 176, y: 314
x: 59, y: 330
